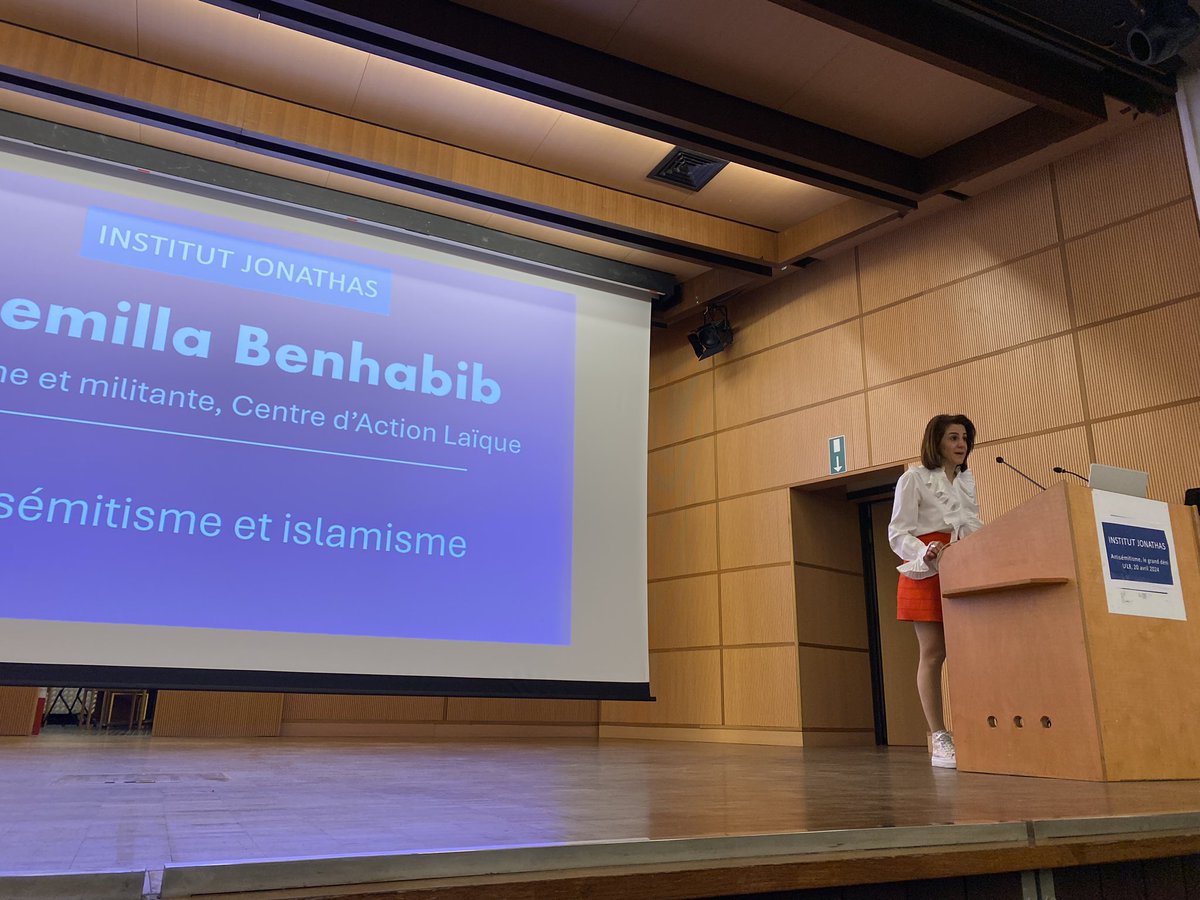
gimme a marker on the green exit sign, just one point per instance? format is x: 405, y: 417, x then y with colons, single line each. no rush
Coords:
x: 837, y: 454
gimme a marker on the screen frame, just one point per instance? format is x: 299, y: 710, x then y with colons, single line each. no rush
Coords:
x: 232, y: 679
x: 162, y: 678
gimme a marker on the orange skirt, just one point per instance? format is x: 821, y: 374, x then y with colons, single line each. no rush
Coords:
x: 920, y: 600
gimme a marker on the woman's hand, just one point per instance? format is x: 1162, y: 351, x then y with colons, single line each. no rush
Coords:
x: 933, y: 550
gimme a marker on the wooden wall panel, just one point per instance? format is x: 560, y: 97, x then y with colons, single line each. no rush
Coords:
x: 830, y: 608
x: 493, y: 709
x: 816, y: 297
x: 217, y: 714
x: 800, y: 373
x: 762, y: 687
x: 757, y: 606
x: 354, y: 708
x: 1019, y: 302
x: 1002, y: 355
x: 1165, y: 443
x: 682, y: 475
x: 1141, y: 361
x: 1140, y: 263
x: 835, y: 688
x: 681, y: 411
x: 686, y: 685
x: 1000, y: 489
x: 684, y: 612
x: 1138, y: 170
x: 825, y: 532
x: 754, y: 530
x: 1022, y: 391
x: 1000, y: 225
x: 682, y: 542
x: 18, y: 707
x: 671, y: 355
x: 791, y: 449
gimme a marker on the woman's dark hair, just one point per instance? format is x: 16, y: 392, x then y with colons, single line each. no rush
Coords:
x: 931, y: 444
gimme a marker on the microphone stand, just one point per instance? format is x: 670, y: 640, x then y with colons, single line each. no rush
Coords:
x: 1000, y: 459
x: 1061, y: 471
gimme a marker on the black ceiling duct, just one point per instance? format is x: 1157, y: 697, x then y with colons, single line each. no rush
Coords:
x: 687, y: 169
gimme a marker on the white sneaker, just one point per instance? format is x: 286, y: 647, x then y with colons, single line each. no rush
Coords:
x: 943, y: 751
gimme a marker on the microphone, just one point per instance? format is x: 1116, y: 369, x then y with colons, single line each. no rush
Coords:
x: 1000, y: 459
x: 1061, y: 471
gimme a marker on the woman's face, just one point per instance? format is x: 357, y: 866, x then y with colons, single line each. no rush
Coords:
x: 954, y: 445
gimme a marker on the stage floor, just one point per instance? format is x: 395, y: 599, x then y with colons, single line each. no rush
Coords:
x: 79, y: 802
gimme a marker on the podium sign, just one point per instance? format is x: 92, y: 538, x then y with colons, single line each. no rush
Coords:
x: 1137, y: 552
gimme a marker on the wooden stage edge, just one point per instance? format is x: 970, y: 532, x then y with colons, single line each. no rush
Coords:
x: 688, y: 869
x: 113, y: 817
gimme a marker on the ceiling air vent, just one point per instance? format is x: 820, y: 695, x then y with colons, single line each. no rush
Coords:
x: 687, y: 169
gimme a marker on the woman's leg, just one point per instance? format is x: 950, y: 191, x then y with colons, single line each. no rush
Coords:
x: 931, y: 637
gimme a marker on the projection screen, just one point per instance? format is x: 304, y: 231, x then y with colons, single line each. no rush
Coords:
x: 251, y: 446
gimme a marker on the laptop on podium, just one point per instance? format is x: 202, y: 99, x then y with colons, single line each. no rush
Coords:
x: 1118, y: 481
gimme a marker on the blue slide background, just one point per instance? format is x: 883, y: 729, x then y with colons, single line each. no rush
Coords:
x: 512, y: 511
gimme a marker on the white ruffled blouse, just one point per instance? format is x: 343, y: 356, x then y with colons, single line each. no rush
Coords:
x: 928, y: 501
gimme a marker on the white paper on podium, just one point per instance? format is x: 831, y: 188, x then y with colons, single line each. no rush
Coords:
x: 1137, y: 554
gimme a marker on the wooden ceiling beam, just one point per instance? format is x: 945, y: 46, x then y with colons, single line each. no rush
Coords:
x: 1067, y: 94
x: 485, y: 50
x: 89, y: 78
x: 1006, y: 142
x: 815, y: 235
x: 954, y: 41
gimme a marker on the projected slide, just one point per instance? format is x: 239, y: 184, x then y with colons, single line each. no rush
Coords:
x: 210, y: 423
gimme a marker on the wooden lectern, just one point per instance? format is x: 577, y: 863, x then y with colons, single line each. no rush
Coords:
x: 1044, y: 680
